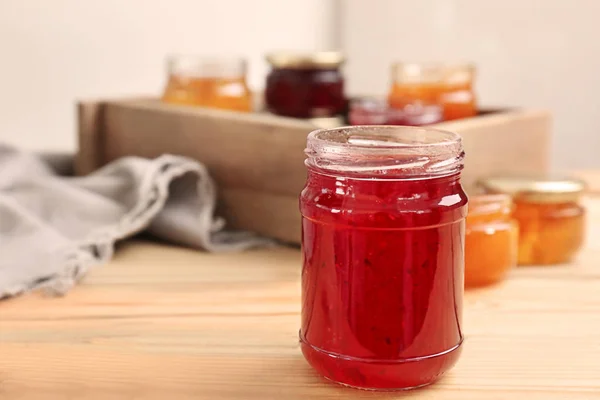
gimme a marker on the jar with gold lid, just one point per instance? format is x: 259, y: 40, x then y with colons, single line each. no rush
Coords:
x: 550, y: 217
x: 214, y: 82
x: 305, y: 85
x: 449, y: 86
x: 490, y: 239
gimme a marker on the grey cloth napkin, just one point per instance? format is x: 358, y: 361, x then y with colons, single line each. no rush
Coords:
x: 53, y: 228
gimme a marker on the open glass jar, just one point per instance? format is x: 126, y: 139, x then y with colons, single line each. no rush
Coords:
x: 383, y: 225
x: 305, y: 85
x: 490, y: 241
x: 551, y: 219
x: 447, y: 85
x: 208, y: 82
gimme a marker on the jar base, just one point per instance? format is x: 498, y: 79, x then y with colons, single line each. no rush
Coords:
x: 380, y: 375
x: 550, y: 262
x: 370, y: 389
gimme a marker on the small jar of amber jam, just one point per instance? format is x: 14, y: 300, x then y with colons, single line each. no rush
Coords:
x: 305, y: 85
x: 383, y: 225
x: 490, y: 240
x: 550, y: 217
x: 208, y: 82
x: 449, y: 86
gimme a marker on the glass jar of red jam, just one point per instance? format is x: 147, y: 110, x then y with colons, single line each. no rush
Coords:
x: 305, y: 85
x: 383, y: 230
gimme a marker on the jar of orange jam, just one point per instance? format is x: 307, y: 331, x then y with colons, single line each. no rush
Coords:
x: 551, y: 219
x: 208, y: 82
x: 490, y: 240
x: 450, y: 86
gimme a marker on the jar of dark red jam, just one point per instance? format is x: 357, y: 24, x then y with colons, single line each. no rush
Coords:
x: 383, y: 229
x: 305, y: 85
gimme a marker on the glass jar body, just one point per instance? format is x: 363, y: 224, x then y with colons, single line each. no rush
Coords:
x: 491, y: 240
x: 382, y: 278
x: 305, y: 92
x: 450, y: 87
x: 208, y: 82
x: 549, y: 233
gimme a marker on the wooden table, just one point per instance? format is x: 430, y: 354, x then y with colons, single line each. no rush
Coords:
x: 163, y: 322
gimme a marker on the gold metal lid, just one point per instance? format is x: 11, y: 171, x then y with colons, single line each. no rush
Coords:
x: 317, y: 60
x: 535, y: 189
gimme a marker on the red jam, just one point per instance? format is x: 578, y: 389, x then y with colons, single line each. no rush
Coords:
x: 305, y: 86
x: 383, y: 259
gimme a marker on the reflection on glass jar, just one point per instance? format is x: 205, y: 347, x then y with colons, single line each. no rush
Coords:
x: 305, y: 85
x: 208, y: 82
x: 382, y: 236
x: 490, y: 240
x: 449, y: 86
x: 551, y: 220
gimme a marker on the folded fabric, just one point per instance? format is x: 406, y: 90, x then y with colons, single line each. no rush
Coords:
x: 54, y: 228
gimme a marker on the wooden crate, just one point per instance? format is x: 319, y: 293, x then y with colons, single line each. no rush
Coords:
x: 257, y: 159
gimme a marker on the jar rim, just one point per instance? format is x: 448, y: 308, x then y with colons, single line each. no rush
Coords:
x: 305, y: 60
x: 430, y: 72
x: 535, y: 188
x: 465, y: 65
x: 206, y: 66
x: 486, y: 204
x: 343, y: 137
x: 386, y: 150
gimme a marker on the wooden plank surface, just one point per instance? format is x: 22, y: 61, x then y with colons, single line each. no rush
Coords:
x: 166, y: 322
x: 257, y: 159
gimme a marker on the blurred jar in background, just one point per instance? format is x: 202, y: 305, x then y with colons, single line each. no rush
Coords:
x: 368, y: 111
x: 551, y: 220
x: 449, y: 86
x: 490, y: 240
x: 208, y: 82
x: 372, y: 111
x: 305, y: 85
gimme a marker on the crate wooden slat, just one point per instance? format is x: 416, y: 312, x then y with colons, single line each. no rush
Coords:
x: 257, y: 159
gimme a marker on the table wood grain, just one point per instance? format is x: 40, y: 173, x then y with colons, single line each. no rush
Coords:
x: 167, y: 322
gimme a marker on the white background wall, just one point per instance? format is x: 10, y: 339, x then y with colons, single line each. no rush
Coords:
x: 55, y: 51
x: 538, y: 53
